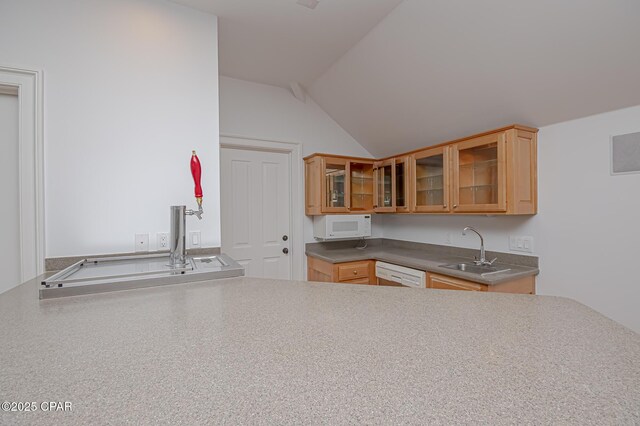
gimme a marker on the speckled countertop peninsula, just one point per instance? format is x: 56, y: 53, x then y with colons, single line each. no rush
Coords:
x: 425, y: 257
x: 258, y: 351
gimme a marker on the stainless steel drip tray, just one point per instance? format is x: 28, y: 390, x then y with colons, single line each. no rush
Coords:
x: 105, y: 274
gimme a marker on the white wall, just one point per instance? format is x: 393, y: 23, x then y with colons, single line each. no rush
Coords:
x: 10, y: 260
x: 261, y: 111
x: 257, y: 111
x: 131, y: 88
x: 586, y: 232
x: 588, y: 227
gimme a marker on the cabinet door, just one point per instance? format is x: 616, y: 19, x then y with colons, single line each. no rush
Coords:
x: 312, y: 184
x: 360, y: 187
x: 443, y: 282
x: 385, y: 189
x: 479, y: 174
x: 402, y: 179
x: 335, y: 187
x: 430, y: 180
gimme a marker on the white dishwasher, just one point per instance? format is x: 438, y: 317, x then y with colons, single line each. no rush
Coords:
x: 390, y: 274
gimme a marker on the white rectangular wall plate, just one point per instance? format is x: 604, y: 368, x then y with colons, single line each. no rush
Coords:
x: 142, y: 242
x: 194, y: 239
x: 162, y: 241
x: 522, y: 243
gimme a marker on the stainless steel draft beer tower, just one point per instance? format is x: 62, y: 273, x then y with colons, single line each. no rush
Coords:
x: 177, y: 235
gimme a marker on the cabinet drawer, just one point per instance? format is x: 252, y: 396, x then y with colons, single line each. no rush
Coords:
x: 448, y: 283
x: 356, y: 281
x: 351, y: 271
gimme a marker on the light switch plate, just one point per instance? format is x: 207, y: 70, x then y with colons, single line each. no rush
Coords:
x: 522, y: 243
x: 142, y: 242
x: 194, y: 239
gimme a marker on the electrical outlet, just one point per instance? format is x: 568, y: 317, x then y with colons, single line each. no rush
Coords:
x: 162, y: 241
x: 521, y: 243
x: 142, y: 242
x: 194, y: 239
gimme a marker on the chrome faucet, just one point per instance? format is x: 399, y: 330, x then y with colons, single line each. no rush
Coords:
x: 482, y: 261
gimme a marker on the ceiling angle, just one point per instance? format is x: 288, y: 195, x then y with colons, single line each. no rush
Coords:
x: 298, y: 91
x: 311, y: 4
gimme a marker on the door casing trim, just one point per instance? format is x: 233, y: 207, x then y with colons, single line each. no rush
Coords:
x: 29, y: 84
x: 294, y: 150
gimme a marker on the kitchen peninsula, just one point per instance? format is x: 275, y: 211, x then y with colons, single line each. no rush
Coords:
x: 289, y: 352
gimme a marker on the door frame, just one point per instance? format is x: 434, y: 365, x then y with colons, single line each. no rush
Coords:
x: 296, y: 188
x: 29, y: 85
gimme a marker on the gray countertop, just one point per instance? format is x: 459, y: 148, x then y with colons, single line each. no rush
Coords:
x: 246, y: 350
x: 424, y: 257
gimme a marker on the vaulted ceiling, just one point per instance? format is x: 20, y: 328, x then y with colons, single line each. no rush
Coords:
x: 279, y: 41
x: 440, y: 69
x: 435, y: 70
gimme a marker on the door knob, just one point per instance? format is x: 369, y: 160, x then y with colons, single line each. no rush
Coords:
x: 285, y: 250
x: 285, y: 238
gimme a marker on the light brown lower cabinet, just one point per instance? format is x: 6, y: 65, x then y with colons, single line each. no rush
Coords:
x: 524, y: 285
x: 360, y: 272
x: 364, y: 272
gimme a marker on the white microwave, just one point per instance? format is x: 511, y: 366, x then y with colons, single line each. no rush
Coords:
x: 341, y: 226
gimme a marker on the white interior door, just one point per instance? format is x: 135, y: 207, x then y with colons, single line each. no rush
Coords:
x: 10, y: 258
x: 256, y: 209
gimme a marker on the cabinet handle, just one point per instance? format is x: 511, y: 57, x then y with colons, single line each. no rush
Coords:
x: 355, y: 272
x: 444, y: 207
x: 455, y: 206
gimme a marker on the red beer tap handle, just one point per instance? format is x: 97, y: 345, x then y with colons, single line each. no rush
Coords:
x: 196, y: 171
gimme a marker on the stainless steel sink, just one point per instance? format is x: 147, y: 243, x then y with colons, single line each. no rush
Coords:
x: 99, y: 275
x: 472, y: 268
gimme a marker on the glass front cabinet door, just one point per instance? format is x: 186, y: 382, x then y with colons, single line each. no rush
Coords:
x: 335, y: 189
x: 402, y: 176
x: 361, y: 189
x: 431, y: 180
x: 385, y: 190
x: 479, y: 174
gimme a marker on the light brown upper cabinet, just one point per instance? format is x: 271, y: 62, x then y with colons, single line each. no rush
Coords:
x: 479, y: 174
x: 361, y: 186
x: 338, y: 185
x: 430, y: 180
x: 402, y: 177
x: 392, y: 183
x: 495, y: 173
x: 335, y: 189
x: 490, y: 173
x: 385, y: 186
